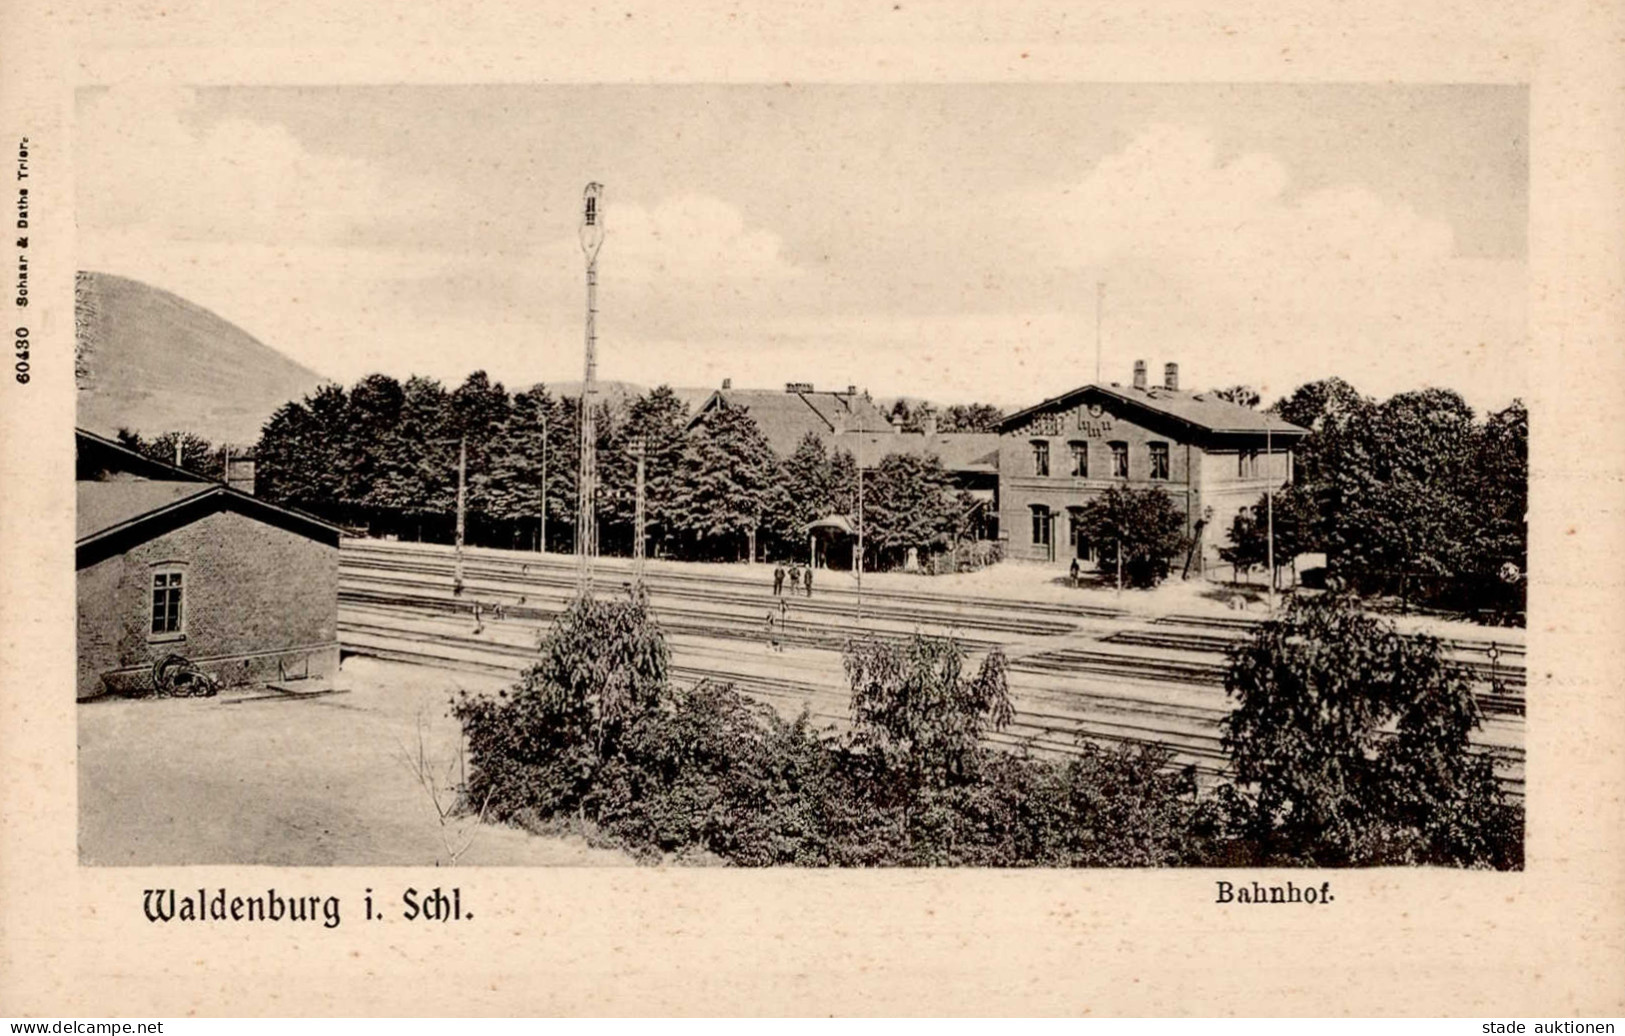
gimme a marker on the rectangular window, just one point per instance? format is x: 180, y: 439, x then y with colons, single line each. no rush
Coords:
x: 1041, y: 459
x: 1119, y: 460
x: 1159, y: 459
x: 1041, y: 525
x: 1080, y: 459
x: 166, y: 602
x: 1247, y: 464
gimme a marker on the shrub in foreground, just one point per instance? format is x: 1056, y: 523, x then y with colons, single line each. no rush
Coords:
x: 1350, y: 745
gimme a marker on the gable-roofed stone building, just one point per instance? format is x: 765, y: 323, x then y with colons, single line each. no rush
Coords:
x: 1211, y: 456
x: 171, y: 563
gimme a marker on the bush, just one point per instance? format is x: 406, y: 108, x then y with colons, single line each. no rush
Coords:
x: 595, y: 732
x: 1350, y: 746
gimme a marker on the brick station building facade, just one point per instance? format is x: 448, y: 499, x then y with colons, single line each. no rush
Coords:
x: 171, y: 563
x: 1211, y: 456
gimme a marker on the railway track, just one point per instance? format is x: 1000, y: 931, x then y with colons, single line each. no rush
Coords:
x: 1076, y: 673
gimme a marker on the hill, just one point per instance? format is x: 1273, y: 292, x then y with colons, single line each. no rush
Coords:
x: 152, y: 362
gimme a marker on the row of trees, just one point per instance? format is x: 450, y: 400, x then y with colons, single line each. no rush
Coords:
x: 961, y: 417
x: 1415, y: 497
x: 383, y: 456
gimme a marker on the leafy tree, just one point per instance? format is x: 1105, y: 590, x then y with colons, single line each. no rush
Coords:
x: 1140, y: 525
x: 537, y: 425
x: 542, y: 744
x: 971, y: 417
x: 372, y: 454
x: 804, y: 494
x: 480, y: 409
x: 1326, y: 408
x: 197, y: 454
x: 1499, y: 489
x: 909, y: 501
x: 902, y: 416
x: 1403, y: 492
x: 301, y: 459
x: 1295, y: 519
x: 1350, y: 746
x: 916, y: 709
x: 725, y: 485
x: 1241, y: 395
x: 660, y: 419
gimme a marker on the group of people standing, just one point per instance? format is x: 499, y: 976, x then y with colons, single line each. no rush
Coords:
x: 799, y: 578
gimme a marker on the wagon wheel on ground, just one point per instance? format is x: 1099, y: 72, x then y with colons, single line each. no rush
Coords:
x: 176, y: 676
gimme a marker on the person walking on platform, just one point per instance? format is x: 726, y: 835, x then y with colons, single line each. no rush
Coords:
x: 806, y: 580
x: 795, y: 578
x: 784, y: 623
x: 778, y: 579
x: 1074, y: 574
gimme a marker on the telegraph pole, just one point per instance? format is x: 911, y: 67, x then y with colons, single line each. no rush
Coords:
x: 462, y: 471
x: 860, y: 522
x: 592, y: 237
x: 1100, y: 303
x: 541, y: 541
x: 1269, y: 506
x: 639, y: 450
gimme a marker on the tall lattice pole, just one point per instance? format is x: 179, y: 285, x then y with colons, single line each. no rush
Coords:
x: 639, y: 520
x: 592, y: 237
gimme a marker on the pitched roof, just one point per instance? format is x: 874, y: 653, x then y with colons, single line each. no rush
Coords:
x: 786, y: 417
x: 104, y: 506
x: 99, y: 456
x: 1197, y: 410
x: 958, y: 451
x: 152, y: 498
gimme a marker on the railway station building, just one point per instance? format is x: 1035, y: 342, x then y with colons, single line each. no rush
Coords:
x: 1211, y: 456
x: 171, y: 563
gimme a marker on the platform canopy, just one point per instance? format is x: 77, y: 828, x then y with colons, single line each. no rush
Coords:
x: 835, y: 523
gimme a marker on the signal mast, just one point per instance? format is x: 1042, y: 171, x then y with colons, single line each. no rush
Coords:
x: 592, y: 237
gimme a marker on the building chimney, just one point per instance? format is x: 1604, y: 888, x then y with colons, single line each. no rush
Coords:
x: 1170, y: 376
x: 928, y: 420
x: 727, y: 383
x: 851, y: 390
x: 1139, y: 374
x: 240, y: 474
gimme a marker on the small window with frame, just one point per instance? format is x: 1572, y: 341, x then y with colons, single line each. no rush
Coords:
x: 1040, y: 458
x: 1158, y: 452
x: 1080, y: 459
x: 168, y: 603
x: 1119, y: 459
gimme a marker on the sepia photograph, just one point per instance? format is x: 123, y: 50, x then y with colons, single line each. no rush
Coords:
x: 992, y: 475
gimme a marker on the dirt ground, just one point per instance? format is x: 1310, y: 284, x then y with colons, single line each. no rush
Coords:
x: 329, y: 780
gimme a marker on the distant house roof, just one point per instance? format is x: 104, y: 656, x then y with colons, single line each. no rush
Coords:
x: 786, y: 417
x: 1198, y: 411
x: 966, y: 452
x: 125, y: 498
x: 99, y: 457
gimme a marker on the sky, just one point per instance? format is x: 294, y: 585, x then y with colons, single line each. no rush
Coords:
x: 936, y: 241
